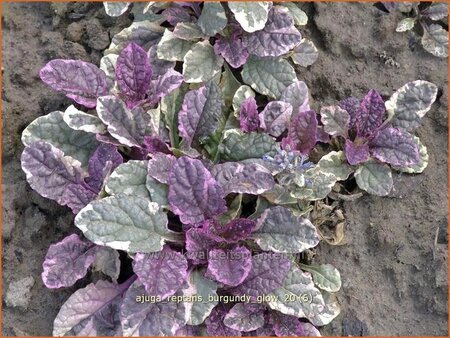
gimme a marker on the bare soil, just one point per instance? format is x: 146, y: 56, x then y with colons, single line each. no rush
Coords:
x: 394, y: 260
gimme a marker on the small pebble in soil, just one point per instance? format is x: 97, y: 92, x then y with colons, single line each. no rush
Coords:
x: 19, y: 293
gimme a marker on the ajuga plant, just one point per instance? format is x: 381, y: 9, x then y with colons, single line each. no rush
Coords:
x: 192, y: 191
x: 429, y: 18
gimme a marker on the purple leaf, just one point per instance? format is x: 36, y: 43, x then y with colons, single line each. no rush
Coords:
x: 245, y: 317
x: 285, y: 325
x: 48, y: 171
x: 188, y: 331
x: 356, y: 153
x: 127, y: 126
x: 160, y: 165
x: 67, y: 261
x: 335, y: 120
x: 154, y: 145
x: 277, y: 37
x: 140, y: 318
x: 232, y: 48
x: 247, y: 178
x: 105, y: 159
x: 322, y: 136
x: 248, y: 115
x: 234, y: 231
x: 267, y: 274
x: 351, y: 105
x: 201, y: 114
x: 175, y: 15
x: 275, y: 117
x: 297, y: 94
x: 198, y: 243
x: 303, y: 131
x: 133, y: 74
x: 370, y: 113
x: 77, y: 196
x: 164, y: 85
x: 216, y: 327
x: 194, y: 194
x: 93, y: 308
x: 231, y: 266
x: 395, y: 146
x: 266, y: 330
x: 81, y: 81
x: 162, y: 273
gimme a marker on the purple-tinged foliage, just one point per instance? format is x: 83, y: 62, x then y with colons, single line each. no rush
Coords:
x: 215, y: 325
x: 302, y: 132
x: 278, y: 36
x: 367, y: 134
x: 133, y: 74
x: 231, y: 47
x: 245, y: 317
x: 174, y: 15
x: 81, y: 81
x: 395, y: 146
x: 164, y: 85
x: 248, y: 178
x: 275, y: 118
x: 248, y: 115
x: 194, y: 194
x: 285, y: 325
x: 105, y: 159
x: 267, y: 274
x: 162, y: 273
x: 229, y: 266
x: 67, y: 261
x: 356, y: 153
x: 77, y: 196
x: 234, y: 231
x: 369, y: 116
x: 297, y: 95
x: 198, y: 243
x: 160, y: 165
x: 154, y: 145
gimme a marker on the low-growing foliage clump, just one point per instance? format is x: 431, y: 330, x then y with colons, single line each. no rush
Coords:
x: 429, y: 21
x: 193, y: 188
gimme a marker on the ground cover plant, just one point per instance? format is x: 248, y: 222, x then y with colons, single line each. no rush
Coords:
x: 191, y: 177
x: 431, y: 19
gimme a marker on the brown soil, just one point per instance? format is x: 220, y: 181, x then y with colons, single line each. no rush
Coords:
x: 394, y: 261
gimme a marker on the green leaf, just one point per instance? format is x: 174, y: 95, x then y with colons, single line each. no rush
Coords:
x: 78, y: 120
x: 335, y: 163
x: 435, y: 40
x: 201, y: 63
x: 143, y: 33
x: 410, y: 103
x: 170, y: 106
x: 234, y: 210
x: 128, y: 178
x: 229, y: 85
x: 279, y: 230
x: 171, y: 48
x: 317, y: 185
x: 200, y: 286
x: 269, y: 75
x: 406, y: 25
x: 51, y: 128
x: 279, y: 195
x: 305, y: 54
x: 129, y: 223
x: 252, y: 16
x: 240, y: 146
x: 115, y: 8
x: 188, y: 31
x: 297, y: 296
x: 213, y: 18
x: 158, y: 192
x: 261, y: 205
x: 325, y: 276
x: 300, y: 17
x: 375, y: 178
x: 423, y: 161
